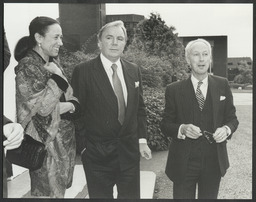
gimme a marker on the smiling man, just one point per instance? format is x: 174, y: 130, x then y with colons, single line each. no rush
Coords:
x: 200, y: 116
x: 114, y: 117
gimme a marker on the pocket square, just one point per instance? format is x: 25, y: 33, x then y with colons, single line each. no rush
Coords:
x: 137, y: 84
x: 222, y: 98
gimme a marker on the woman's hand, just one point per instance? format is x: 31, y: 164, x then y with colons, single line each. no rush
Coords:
x: 53, y: 68
x: 66, y: 107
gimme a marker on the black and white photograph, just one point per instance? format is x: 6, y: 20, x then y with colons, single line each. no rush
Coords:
x: 127, y: 100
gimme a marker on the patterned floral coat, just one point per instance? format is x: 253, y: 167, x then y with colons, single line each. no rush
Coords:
x: 38, y: 95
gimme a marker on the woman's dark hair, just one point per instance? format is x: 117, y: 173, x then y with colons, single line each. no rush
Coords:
x: 37, y: 25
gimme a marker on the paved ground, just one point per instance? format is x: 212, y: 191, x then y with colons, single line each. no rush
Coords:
x: 20, y: 184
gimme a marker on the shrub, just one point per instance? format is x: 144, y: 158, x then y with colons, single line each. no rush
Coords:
x: 161, y: 49
x: 154, y: 101
x: 69, y: 60
x: 245, y: 75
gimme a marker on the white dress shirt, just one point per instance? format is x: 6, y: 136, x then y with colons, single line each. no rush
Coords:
x: 203, y: 87
x: 107, y: 66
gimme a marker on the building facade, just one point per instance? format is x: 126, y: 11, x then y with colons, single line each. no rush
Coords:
x: 80, y: 24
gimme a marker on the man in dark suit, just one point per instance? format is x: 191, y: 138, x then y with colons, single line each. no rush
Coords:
x: 200, y: 116
x: 114, y: 117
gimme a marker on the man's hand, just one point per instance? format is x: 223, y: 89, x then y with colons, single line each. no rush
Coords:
x: 191, y: 131
x: 220, y: 134
x: 145, y: 151
x: 14, y: 134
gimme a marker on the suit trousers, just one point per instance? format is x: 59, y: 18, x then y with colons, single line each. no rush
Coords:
x: 202, y: 171
x: 4, y: 177
x: 101, y: 179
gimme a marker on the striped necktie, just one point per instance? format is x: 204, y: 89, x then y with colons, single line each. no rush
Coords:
x: 199, y: 96
x: 119, y: 94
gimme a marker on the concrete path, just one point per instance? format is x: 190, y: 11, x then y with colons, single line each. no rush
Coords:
x: 19, y: 186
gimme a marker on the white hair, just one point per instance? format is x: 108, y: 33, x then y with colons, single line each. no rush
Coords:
x: 191, y: 43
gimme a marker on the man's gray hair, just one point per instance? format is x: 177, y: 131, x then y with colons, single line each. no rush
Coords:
x: 117, y: 23
x: 191, y: 43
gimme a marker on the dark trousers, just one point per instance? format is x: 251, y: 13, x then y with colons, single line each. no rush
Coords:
x: 9, y: 170
x: 101, y: 180
x: 202, y: 171
x: 4, y: 177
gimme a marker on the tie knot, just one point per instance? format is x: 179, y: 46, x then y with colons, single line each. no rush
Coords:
x: 199, y: 84
x: 114, y: 67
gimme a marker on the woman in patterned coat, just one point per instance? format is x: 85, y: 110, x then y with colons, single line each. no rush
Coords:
x: 46, y: 106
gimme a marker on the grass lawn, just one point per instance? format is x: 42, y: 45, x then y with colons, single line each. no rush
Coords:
x: 237, y: 183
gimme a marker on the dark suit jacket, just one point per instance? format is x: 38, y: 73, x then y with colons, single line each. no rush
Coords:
x: 105, y: 138
x: 178, y: 110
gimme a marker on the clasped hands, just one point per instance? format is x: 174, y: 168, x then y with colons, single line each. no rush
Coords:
x: 194, y: 132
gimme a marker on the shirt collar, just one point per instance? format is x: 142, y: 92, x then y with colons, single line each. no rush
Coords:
x: 107, y: 63
x: 195, y: 81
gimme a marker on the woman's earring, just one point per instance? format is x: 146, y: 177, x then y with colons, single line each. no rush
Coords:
x: 39, y: 45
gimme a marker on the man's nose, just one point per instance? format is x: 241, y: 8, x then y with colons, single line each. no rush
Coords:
x: 114, y: 41
x: 201, y: 57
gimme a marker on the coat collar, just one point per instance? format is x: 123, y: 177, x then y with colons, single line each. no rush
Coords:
x: 187, y: 93
x: 215, y: 95
x: 130, y: 85
x: 101, y: 79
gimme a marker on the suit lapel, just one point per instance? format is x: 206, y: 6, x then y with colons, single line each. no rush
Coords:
x: 187, y: 93
x: 215, y: 94
x: 129, y: 81
x: 102, y: 80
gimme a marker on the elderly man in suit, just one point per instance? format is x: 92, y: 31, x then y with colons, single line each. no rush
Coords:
x: 200, y: 116
x: 114, y: 117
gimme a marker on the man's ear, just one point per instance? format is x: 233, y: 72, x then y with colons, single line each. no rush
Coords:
x: 99, y: 45
x: 38, y: 38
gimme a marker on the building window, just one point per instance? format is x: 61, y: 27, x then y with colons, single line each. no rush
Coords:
x: 249, y: 63
x: 230, y: 63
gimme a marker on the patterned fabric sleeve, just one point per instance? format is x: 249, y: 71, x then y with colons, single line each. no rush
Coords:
x: 35, y: 92
x: 70, y: 98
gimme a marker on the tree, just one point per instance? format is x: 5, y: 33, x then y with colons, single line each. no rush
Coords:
x: 154, y: 40
x: 160, y: 54
x: 245, y: 73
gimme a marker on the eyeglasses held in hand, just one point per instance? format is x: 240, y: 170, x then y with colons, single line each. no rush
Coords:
x: 209, y: 137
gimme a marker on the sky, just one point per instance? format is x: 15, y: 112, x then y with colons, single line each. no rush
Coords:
x: 232, y: 20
